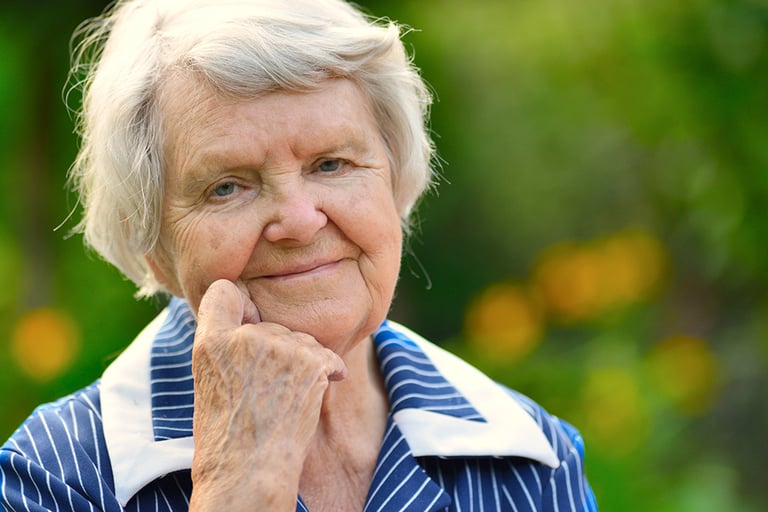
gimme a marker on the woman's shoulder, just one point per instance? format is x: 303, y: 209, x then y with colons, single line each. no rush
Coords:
x: 69, y: 427
x: 508, y: 448
x: 564, y: 437
x: 493, y: 403
x: 58, y: 456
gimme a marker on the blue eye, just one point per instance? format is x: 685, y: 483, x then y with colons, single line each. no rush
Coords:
x: 225, y: 189
x: 329, y: 166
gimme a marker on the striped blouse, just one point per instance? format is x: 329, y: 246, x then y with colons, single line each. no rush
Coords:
x: 455, y: 441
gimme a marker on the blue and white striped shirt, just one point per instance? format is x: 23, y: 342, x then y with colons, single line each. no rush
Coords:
x: 455, y: 441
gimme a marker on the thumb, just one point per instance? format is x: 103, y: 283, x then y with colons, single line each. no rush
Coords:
x: 224, y: 306
x: 250, y: 312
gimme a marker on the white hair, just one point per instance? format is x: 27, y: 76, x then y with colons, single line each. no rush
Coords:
x: 240, y: 47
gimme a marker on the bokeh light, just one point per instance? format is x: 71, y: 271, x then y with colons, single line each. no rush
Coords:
x: 616, y: 412
x: 45, y: 343
x: 568, y: 279
x: 504, y: 321
x: 685, y: 371
x: 581, y: 281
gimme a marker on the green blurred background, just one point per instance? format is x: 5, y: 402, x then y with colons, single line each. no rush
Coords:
x: 597, y: 240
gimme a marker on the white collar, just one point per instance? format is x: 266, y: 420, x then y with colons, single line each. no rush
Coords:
x: 126, y: 410
x: 137, y: 459
x: 508, y: 430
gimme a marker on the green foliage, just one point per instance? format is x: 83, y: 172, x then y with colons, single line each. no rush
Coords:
x: 597, y: 239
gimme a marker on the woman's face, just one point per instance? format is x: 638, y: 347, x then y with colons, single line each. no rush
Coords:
x: 290, y: 197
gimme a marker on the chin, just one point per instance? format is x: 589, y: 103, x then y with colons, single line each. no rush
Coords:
x: 341, y: 336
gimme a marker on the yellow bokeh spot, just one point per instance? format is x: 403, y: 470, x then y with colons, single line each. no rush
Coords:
x: 503, y: 321
x: 616, y: 413
x: 578, y: 282
x: 634, y: 264
x: 45, y: 342
x: 567, y: 277
x: 685, y: 371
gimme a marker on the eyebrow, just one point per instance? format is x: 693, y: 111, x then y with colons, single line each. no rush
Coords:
x: 216, y: 160
x: 356, y: 145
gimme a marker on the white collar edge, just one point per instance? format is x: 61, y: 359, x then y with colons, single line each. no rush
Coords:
x: 137, y: 459
x: 509, y: 429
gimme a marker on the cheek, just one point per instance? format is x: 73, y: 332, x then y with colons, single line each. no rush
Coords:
x: 381, y: 268
x: 209, y: 250
x: 375, y: 228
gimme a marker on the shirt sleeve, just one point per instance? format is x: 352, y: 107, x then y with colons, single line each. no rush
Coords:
x: 57, y: 460
x: 27, y: 486
x: 568, y: 488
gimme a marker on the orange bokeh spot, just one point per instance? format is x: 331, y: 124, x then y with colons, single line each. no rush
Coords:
x: 503, y: 321
x: 578, y: 282
x: 45, y: 342
x: 567, y: 278
x: 634, y: 264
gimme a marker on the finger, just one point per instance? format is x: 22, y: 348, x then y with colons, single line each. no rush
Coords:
x: 336, y: 369
x: 224, y: 307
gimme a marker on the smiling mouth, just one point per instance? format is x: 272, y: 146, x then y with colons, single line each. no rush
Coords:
x: 311, y: 270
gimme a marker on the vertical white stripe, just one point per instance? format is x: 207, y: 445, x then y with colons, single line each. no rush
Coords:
x: 50, y: 490
x: 457, y: 500
x: 72, y: 449
x: 567, y: 471
x: 580, y: 476
x: 523, y: 486
x: 3, y: 482
x: 21, y: 487
x: 32, y: 442
x: 553, y: 486
x: 440, y: 477
x: 535, y: 473
x: 471, y: 497
x: 165, y: 498
x: 29, y: 472
x: 181, y: 489
x: 495, y: 486
x: 480, y: 485
x: 70, y: 406
x: 510, y: 500
x: 53, y: 446
x: 95, y: 437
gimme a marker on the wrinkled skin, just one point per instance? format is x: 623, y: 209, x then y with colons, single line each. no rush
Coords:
x: 280, y: 228
x: 260, y: 387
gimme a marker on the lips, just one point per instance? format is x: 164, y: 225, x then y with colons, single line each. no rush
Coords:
x: 301, y: 269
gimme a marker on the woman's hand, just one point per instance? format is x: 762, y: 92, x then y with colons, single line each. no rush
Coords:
x: 258, y: 393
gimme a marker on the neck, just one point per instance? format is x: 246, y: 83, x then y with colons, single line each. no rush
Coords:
x: 354, y: 414
x: 358, y: 404
x: 352, y: 423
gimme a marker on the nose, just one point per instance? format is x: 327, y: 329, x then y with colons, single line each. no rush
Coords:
x: 296, y: 215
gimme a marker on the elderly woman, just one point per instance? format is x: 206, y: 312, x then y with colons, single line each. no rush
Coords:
x: 258, y: 160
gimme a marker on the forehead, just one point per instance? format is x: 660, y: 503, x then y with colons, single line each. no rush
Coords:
x: 200, y: 122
